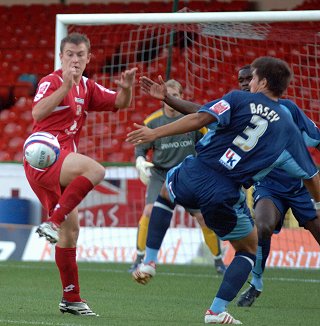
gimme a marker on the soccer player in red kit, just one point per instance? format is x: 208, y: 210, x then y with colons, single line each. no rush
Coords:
x: 60, y: 107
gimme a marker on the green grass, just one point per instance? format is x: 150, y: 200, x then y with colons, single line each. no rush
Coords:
x: 178, y: 295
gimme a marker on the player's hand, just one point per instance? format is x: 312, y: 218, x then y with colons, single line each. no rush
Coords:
x: 154, y: 89
x: 141, y: 135
x: 127, y: 78
x: 143, y: 167
x: 68, y: 75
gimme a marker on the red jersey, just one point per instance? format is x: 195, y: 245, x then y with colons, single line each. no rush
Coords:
x: 68, y: 118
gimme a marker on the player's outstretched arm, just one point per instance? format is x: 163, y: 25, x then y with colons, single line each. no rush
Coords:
x: 188, y: 123
x: 125, y: 83
x: 159, y: 91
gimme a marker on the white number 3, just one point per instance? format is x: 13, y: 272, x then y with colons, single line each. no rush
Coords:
x: 253, y: 134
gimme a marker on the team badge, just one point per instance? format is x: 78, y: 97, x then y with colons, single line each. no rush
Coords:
x: 230, y: 159
x: 43, y: 87
x: 220, y: 107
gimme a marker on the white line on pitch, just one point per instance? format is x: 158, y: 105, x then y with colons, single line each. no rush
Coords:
x: 107, y: 270
x: 25, y: 322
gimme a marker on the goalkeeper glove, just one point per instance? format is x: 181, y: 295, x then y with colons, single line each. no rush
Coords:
x: 143, y: 167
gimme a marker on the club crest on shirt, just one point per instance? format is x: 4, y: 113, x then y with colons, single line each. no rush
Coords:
x: 220, y: 107
x: 43, y: 87
x: 230, y: 159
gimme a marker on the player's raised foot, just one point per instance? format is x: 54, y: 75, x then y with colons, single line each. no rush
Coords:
x: 76, y: 308
x: 48, y: 230
x: 136, y: 263
x: 248, y: 297
x: 220, y: 266
x: 144, y: 273
x: 222, y: 318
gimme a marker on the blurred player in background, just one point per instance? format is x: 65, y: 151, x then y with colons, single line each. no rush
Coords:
x: 235, y: 152
x: 244, y: 78
x: 275, y: 195
x: 60, y: 107
x: 167, y: 153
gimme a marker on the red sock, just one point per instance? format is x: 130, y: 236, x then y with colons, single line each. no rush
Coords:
x: 68, y: 268
x: 71, y: 198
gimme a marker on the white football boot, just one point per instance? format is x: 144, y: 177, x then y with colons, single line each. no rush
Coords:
x: 144, y: 272
x: 222, y: 318
x: 49, y: 230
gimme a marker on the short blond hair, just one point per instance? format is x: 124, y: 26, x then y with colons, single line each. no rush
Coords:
x: 174, y: 84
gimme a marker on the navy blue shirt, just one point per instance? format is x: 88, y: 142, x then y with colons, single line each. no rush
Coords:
x: 252, y: 135
x: 278, y: 179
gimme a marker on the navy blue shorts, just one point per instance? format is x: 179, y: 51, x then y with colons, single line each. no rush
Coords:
x: 222, y: 202
x: 299, y: 201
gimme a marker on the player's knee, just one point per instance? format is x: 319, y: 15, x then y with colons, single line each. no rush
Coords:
x: 147, y: 210
x: 96, y: 173
x: 265, y: 230
x: 199, y: 219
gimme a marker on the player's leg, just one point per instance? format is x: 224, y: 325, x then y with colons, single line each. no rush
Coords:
x: 65, y: 257
x: 158, y: 225
x: 237, y: 272
x: 213, y: 243
x: 269, y: 215
x: 141, y: 237
x: 305, y: 213
x: 233, y: 223
x: 157, y: 179
x: 314, y: 227
x: 78, y: 175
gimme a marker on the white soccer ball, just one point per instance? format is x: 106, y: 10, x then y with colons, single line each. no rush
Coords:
x: 41, y: 149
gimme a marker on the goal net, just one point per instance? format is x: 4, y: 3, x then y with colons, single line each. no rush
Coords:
x: 204, y: 57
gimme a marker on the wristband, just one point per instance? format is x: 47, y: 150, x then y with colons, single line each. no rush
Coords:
x: 317, y: 205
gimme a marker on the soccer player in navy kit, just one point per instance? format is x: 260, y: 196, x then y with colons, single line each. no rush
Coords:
x: 275, y: 194
x: 167, y: 153
x: 238, y: 150
x: 244, y: 78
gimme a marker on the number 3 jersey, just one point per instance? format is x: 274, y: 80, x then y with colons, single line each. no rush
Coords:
x: 252, y: 135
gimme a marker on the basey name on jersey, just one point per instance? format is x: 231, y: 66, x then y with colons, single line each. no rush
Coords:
x: 264, y: 112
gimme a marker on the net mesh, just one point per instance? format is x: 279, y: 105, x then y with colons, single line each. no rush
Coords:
x: 205, y: 58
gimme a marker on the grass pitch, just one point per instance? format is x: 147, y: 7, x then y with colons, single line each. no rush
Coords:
x: 178, y: 295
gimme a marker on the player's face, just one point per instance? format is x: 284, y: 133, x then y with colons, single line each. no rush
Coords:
x: 257, y: 85
x: 76, y: 56
x: 174, y: 92
x: 244, y: 78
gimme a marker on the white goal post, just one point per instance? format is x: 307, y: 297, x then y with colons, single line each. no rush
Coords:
x: 63, y: 20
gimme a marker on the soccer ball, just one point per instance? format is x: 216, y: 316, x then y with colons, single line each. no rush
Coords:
x: 41, y: 149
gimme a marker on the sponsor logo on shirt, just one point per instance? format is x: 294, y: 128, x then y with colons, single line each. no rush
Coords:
x: 230, y: 159
x: 41, y: 90
x: 176, y: 144
x: 79, y: 100
x: 220, y: 107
